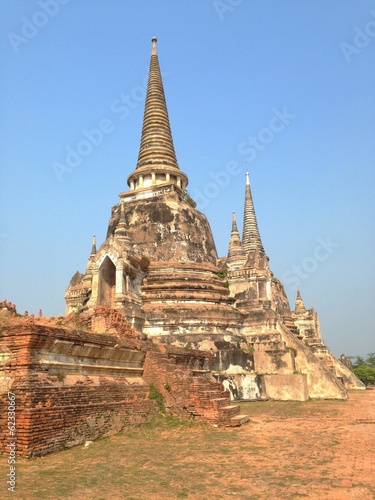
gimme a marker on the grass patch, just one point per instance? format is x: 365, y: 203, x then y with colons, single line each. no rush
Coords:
x: 158, y: 397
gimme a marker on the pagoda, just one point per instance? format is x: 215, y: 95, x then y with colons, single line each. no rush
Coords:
x: 159, y: 267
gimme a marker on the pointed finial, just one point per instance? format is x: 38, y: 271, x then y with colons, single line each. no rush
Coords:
x: 247, y: 179
x: 120, y: 231
x: 300, y: 305
x: 93, y: 247
x: 234, y: 222
x: 154, y: 40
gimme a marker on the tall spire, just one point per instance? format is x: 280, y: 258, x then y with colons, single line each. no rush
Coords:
x: 235, y: 248
x: 251, y: 238
x: 157, y: 162
x: 300, y: 305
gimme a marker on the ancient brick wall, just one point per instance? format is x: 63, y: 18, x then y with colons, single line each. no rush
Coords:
x: 69, y: 386
x: 49, y: 419
x: 75, y: 386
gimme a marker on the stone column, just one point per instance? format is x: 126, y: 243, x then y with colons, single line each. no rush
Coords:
x: 94, y: 289
x: 120, y: 288
x: 269, y: 290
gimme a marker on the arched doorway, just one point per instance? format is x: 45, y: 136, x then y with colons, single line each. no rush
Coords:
x: 107, y: 283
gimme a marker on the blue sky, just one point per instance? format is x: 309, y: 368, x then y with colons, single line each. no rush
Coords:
x: 230, y: 69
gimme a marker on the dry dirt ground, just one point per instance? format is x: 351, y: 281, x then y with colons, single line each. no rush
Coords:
x: 316, y: 450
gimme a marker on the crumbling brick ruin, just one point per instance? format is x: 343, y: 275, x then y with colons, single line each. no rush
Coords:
x: 74, y: 385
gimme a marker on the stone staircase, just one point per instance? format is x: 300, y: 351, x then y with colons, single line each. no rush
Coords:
x: 214, y: 405
x: 188, y: 389
x: 289, y: 323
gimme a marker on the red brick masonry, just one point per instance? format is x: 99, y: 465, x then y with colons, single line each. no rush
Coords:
x: 52, y: 412
x: 74, y: 386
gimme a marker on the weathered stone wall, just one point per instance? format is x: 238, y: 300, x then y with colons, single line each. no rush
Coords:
x: 165, y: 226
x: 321, y: 382
x: 285, y: 387
x: 189, y: 320
x: 343, y: 373
x: 242, y: 386
x: 274, y: 361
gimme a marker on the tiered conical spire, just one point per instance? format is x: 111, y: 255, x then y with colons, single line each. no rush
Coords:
x: 251, y: 239
x: 235, y: 241
x: 120, y: 232
x: 300, y: 305
x: 157, y: 162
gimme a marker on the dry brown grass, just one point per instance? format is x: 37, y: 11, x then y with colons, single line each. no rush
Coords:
x: 317, y: 449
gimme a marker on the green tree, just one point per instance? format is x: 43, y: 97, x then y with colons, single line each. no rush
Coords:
x: 365, y: 373
x: 370, y: 360
x: 364, y: 368
x: 357, y: 361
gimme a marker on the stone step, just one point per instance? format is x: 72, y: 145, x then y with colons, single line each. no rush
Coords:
x: 227, y: 412
x: 229, y: 407
x: 220, y: 402
x: 217, y: 385
x: 215, y: 394
x: 238, y: 420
